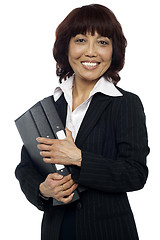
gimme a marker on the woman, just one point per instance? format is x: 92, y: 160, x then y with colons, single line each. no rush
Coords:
x: 106, y: 138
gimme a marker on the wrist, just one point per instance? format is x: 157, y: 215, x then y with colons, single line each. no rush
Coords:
x: 43, y: 197
x: 41, y: 194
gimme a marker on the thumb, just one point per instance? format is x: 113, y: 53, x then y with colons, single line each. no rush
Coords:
x: 69, y: 134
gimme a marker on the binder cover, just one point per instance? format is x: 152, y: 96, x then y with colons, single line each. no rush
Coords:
x: 42, y: 120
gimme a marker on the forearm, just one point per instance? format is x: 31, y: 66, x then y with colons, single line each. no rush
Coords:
x: 29, y: 180
x: 110, y: 175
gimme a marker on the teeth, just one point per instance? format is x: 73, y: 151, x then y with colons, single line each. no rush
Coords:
x: 90, y: 64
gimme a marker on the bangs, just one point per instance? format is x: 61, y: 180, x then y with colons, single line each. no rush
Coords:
x: 92, y: 19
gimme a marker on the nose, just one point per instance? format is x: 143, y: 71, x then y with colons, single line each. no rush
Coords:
x: 91, y: 49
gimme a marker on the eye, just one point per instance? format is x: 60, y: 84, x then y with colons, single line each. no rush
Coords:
x: 103, y: 42
x: 80, y: 40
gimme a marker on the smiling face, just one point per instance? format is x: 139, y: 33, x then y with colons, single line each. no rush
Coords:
x: 89, y: 56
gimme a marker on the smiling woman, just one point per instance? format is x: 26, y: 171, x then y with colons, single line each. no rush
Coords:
x: 106, y: 142
x: 89, y: 20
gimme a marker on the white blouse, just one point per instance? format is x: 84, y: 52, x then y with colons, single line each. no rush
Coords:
x: 75, y: 118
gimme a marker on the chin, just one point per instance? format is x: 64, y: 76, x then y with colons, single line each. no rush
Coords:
x: 91, y: 77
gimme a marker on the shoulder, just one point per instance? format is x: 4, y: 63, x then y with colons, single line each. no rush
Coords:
x: 127, y: 94
x: 129, y: 98
x: 128, y: 106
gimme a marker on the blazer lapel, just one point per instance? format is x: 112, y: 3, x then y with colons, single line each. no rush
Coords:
x: 61, y: 107
x: 96, y: 108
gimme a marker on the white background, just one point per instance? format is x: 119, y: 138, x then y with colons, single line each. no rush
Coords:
x: 27, y: 74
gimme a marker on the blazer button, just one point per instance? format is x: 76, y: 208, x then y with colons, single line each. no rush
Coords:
x: 79, y: 205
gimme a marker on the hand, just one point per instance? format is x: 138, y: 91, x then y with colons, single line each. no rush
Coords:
x: 60, y: 151
x: 58, y: 187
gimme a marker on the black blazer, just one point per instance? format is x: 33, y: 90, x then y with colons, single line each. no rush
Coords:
x: 113, y: 140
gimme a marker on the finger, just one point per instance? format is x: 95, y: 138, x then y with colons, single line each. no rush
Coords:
x: 49, y: 158
x: 60, y: 186
x: 66, y: 193
x: 60, y: 181
x: 45, y: 140
x: 65, y: 179
x: 46, y: 154
x: 66, y: 199
x: 69, y: 191
x: 65, y: 186
x: 68, y: 185
x: 68, y: 133
x: 44, y: 147
x: 55, y: 176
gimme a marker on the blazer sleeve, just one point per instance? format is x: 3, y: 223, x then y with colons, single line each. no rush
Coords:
x: 30, y: 179
x: 128, y: 171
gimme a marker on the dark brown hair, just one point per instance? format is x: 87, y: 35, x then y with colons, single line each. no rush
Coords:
x: 91, y: 18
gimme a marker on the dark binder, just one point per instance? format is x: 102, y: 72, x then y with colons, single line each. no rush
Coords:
x: 42, y: 120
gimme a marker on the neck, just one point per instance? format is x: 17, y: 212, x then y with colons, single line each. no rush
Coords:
x: 81, y: 91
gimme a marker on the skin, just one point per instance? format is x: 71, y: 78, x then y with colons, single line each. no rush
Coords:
x: 83, y: 50
x: 88, y: 48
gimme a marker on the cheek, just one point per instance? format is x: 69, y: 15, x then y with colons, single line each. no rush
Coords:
x: 75, y: 52
x: 107, y: 55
